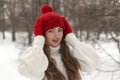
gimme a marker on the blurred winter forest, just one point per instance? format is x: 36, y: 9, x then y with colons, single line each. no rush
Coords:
x: 89, y: 19
x: 90, y: 16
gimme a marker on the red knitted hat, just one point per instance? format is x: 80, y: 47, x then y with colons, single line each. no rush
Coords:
x: 48, y: 20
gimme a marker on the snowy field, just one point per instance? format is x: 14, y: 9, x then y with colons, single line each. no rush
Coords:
x: 109, y: 69
x: 9, y: 59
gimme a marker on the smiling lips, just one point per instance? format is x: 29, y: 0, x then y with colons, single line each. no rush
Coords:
x: 55, y: 40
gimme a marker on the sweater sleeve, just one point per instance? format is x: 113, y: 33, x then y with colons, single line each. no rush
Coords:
x: 33, y: 60
x: 85, y: 54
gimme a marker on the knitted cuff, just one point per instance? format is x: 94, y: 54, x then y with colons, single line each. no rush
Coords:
x: 39, y: 41
x: 71, y: 39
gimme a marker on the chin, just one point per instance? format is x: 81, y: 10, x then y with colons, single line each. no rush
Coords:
x: 55, y: 45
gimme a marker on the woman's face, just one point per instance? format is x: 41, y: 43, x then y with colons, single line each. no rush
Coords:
x: 54, y: 36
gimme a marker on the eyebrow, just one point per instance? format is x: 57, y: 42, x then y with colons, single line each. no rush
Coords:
x: 58, y: 28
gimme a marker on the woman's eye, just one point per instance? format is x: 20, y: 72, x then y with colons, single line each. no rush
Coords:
x: 50, y: 30
x: 60, y: 30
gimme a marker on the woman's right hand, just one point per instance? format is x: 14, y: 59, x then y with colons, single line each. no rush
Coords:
x: 39, y: 39
x: 68, y: 28
x: 38, y: 27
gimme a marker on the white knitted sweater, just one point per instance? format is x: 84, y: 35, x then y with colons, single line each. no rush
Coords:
x: 34, y: 62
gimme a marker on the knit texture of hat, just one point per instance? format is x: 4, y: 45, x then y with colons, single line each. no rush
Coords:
x: 49, y: 19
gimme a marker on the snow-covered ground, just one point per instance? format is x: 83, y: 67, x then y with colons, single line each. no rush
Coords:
x: 10, y: 51
x: 9, y: 59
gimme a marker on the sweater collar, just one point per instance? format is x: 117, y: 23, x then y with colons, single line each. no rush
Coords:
x: 54, y: 50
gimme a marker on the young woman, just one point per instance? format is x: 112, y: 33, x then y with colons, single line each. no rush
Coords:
x: 56, y: 53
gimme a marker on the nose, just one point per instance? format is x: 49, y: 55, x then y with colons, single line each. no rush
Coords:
x: 56, y: 35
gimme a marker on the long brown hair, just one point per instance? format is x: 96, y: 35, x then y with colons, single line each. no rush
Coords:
x: 71, y: 64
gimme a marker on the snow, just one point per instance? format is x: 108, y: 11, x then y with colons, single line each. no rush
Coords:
x: 10, y: 52
x: 9, y: 60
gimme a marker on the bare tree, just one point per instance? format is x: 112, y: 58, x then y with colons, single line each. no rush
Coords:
x: 2, y: 18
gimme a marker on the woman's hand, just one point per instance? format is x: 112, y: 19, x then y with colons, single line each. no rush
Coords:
x: 38, y: 27
x: 68, y: 28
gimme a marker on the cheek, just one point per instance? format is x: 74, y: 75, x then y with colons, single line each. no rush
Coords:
x: 49, y: 38
x: 61, y: 35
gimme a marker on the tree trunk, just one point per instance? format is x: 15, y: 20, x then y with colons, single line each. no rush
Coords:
x: 88, y: 34
x: 3, y: 33
x: 29, y: 38
x: 13, y: 35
